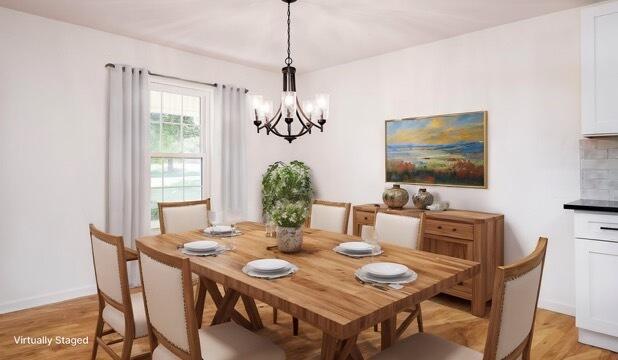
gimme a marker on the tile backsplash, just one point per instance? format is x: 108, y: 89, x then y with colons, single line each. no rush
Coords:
x: 599, y: 168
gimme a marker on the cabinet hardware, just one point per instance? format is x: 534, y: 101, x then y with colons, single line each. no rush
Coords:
x: 609, y: 228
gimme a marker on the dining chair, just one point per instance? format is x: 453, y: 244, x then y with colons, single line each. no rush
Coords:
x: 182, y: 216
x: 324, y: 215
x: 172, y: 320
x: 406, y: 231
x: 120, y: 309
x: 329, y: 216
x: 511, y: 322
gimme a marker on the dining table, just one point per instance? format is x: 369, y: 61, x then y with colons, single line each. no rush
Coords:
x: 323, y: 292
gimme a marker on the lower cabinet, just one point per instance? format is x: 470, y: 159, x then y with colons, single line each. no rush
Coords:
x: 596, y: 265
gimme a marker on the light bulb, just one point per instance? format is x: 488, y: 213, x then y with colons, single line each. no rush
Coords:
x: 308, y: 107
x: 322, y: 102
x: 289, y: 100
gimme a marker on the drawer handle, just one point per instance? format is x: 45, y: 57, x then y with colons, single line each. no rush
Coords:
x: 609, y: 228
x: 439, y: 226
x: 454, y: 229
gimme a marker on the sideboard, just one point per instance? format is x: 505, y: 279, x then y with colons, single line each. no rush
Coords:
x: 464, y: 234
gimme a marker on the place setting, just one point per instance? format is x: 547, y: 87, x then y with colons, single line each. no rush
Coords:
x: 203, y: 248
x: 359, y: 249
x: 269, y: 268
x: 385, y: 275
x: 219, y: 228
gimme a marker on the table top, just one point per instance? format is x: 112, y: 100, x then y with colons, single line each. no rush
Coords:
x: 323, y: 292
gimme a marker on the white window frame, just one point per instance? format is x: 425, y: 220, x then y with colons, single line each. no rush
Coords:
x: 206, y: 94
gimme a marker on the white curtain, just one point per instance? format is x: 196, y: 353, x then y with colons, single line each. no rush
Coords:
x: 128, y: 191
x: 229, y: 177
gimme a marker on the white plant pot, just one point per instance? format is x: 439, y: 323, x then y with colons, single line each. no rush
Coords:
x: 289, y: 239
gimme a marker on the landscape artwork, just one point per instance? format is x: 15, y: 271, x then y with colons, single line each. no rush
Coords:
x: 447, y: 150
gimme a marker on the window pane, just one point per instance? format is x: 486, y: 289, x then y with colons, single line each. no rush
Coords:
x: 191, y: 139
x: 155, y: 101
x: 156, y: 196
x: 172, y: 194
x: 156, y: 173
x: 172, y: 172
x: 172, y: 107
x: 170, y: 138
x: 193, y: 172
x: 191, y: 110
x: 155, y: 137
x: 193, y: 193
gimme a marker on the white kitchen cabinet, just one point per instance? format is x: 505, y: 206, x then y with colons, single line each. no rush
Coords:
x: 599, y: 73
x: 596, y: 279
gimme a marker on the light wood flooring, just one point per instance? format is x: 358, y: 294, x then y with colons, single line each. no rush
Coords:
x: 555, y: 335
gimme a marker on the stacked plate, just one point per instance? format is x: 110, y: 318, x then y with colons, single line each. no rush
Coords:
x: 221, y: 230
x: 202, y: 248
x: 357, y: 249
x: 386, y: 273
x: 269, y: 268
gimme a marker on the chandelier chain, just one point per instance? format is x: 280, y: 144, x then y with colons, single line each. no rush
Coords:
x: 288, y: 60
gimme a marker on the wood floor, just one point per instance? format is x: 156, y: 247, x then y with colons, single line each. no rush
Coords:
x: 555, y: 336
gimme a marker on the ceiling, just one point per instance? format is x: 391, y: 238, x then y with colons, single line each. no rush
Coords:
x: 324, y: 32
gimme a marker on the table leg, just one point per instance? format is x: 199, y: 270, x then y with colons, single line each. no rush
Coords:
x: 252, y: 311
x: 201, y: 302
x: 388, y: 328
x: 225, y: 311
x: 217, y: 298
x: 332, y: 348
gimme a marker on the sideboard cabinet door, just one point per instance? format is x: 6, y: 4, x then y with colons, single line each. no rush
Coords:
x: 599, y: 69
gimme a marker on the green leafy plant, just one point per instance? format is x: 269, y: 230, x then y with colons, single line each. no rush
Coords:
x: 289, y: 214
x: 286, y: 183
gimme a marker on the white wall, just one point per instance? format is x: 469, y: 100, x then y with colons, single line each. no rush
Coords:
x: 52, y: 146
x: 525, y: 74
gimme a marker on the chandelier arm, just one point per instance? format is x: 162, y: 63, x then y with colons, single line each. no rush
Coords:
x: 274, y: 116
x: 307, y: 118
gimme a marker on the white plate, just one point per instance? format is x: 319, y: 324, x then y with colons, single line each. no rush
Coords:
x: 275, y: 275
x: 268, y: 265
x: 385, y: 269
x: 408, y: 277
x: 339, y: 250
x: 356, y: 247
x: 219, y: 229
x: 201, y: 246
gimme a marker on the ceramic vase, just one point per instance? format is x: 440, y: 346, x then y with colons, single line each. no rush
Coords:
x: 289, y: 239
x: 395, y: 197
x: 422, y: 199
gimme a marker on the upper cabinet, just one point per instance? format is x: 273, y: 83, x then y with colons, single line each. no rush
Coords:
x: 599, y: 48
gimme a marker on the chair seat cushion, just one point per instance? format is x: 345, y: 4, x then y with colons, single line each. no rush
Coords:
x: 226, y: 342
x: 423, y: 346
x: 115, y: 318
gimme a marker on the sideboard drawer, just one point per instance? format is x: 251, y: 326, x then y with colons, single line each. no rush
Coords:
x: 450, y: 229
x: 365, y: 218
x: 596, y: 226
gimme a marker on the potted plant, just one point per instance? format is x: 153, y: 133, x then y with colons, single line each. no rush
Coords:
x: 281, y: 181
x: 289, y: 217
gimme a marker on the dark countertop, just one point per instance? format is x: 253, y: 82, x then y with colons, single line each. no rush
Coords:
x: 592, y: 205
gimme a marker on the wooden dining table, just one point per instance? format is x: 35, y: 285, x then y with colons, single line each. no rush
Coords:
x: 323, y: 292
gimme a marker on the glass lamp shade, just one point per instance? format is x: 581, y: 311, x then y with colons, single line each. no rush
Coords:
x: 288, y: 104
x: 266, y: 110
x: 322, y: 102
x: 256, y: 105
x: 309, y: 108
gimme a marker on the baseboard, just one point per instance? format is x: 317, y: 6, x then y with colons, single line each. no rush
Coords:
x: 557, y: 307
x: 45, y: 299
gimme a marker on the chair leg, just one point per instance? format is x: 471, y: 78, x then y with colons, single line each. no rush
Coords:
x: 97, y: 334
x: 419, y: 319
x: 127, y: 346
x: 274, y: 315
x: 295, y: 326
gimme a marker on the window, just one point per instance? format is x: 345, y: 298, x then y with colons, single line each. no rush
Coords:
x: 178, y: 121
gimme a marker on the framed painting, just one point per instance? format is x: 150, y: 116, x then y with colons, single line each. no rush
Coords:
x: 445, y: 150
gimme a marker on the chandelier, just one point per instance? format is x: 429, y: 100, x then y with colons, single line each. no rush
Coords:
x: 312, y: 113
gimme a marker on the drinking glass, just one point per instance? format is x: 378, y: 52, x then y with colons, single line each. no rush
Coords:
x: 370, y: 236
x: 214, y: 218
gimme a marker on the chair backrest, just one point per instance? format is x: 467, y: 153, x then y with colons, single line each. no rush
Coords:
x: 515, y: 297
x: 182, y: 216
x: 329, y: 216
x: 110, y: 269
x: 169, y: 304
x: 398, y: 229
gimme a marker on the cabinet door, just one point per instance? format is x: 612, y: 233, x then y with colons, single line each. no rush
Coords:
x: 599, y: 61
x: 596, y: 268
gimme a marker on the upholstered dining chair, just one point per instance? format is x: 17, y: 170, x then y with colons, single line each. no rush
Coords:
x: 329, y: 216
x: 324, y: 215
x: 172, y: 322
x: 511, y: 322
x: 120, y: 309
x: 182, y: 216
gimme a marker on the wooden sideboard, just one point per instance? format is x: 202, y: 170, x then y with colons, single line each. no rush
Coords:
x: 463, y: 234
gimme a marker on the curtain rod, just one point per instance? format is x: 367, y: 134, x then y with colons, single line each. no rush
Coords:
x: 176, y: 78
